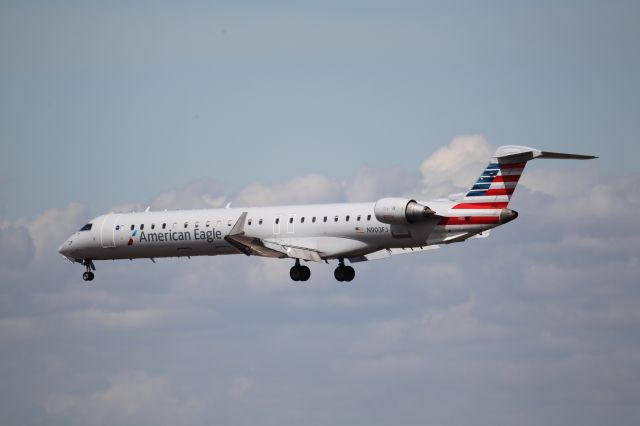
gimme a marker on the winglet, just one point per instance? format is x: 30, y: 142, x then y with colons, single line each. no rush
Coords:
x: 247, y: 244
x: 238, y: 228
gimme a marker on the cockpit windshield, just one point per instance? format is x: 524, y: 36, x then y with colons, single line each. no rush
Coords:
x: 87, y: 227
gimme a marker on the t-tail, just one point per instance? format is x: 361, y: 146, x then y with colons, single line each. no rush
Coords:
x: 498, y: 181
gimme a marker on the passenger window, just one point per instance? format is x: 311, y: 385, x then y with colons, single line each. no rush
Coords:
x: 325, y: 219
x: 164, y: 226
x: 207, y: 224
x: 313, y: 219
x: 368, y: 217
x: 260, y: 222
x: 249, y: 222
x: 302, y: 219
x: 197, y: 224
x: 335, y: 219
x: 277, y: 220
x: 142, y: 227
x: 132, y: 227
x: 229, y: 222
x: 153, y: 226
x: 358, y: 218
x: 290, y: 220
x: 347, y: 218
x: 87, y: 227
x: 186, y: 224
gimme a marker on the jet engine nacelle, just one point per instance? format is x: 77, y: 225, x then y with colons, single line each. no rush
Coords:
x: 400, y: 211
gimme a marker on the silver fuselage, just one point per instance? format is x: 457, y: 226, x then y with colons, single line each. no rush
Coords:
x: 333, y: 230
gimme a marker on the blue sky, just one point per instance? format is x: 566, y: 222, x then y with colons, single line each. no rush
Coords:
x: 120, y: 105
x: 154, y: 95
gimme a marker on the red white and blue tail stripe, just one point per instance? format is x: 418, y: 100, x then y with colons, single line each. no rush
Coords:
x: 494, y: 187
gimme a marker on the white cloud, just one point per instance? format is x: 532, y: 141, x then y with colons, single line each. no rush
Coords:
x: 202, y: 193
x: 555, y: 180
x: 113, y: 320
x: 389, y: 366
x: 240, y: 387
x: 16, y: 246
x: 52, y: 227
x: 307, y: 189
x: 455, y: 166
x: 584, y: 193
x: 130, y: 398
x: 534, y: 309
x: 267, y: 274
x: 17, y: 328
x: 370, y: 184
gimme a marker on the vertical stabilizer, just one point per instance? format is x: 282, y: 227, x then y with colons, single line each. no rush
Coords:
x: 498, y: 181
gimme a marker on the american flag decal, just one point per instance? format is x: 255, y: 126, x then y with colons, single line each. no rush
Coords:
x: 359, y: 230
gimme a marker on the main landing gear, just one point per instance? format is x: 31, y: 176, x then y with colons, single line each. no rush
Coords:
x: 302, y: 273
x: 88, y: 275
x: 344, y: 273
x: 299, y: 272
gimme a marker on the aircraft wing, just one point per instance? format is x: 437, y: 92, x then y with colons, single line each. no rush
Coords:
x: 384, y: 253
x: 316, y: 249
x: 247, y: 244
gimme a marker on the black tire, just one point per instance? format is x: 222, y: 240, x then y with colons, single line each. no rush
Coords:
x: 295, y: 273
x: 87, y: 276
x: 339, y: 273
x: 305, y: 273
x: 349, y: 273
x: 91, y: 276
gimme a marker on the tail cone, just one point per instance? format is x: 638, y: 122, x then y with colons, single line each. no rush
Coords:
x: 507, y: 215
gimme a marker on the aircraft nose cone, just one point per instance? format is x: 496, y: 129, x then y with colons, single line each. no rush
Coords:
x: 65, y: 248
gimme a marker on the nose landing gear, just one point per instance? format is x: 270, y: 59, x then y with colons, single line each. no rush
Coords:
x: 299, y: 272
x: 344, y: 273
x: 88, y: 275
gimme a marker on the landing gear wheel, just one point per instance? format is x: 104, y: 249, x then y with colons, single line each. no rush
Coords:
x: 349, y: 273
x: 299, y: 272
x: 305, y: 273
x: 344, y: 273
x: 339, y: 273
x: 295, y: 273
x: 88, y: 275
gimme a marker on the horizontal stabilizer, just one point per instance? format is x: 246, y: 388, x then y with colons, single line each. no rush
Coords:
x: 563, y: 156
x: 517, y: 154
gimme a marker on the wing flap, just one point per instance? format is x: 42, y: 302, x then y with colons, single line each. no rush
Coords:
x: 303, y: 253
x: 384, y: 253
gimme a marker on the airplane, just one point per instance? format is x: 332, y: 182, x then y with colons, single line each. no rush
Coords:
x: 355, y: 232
